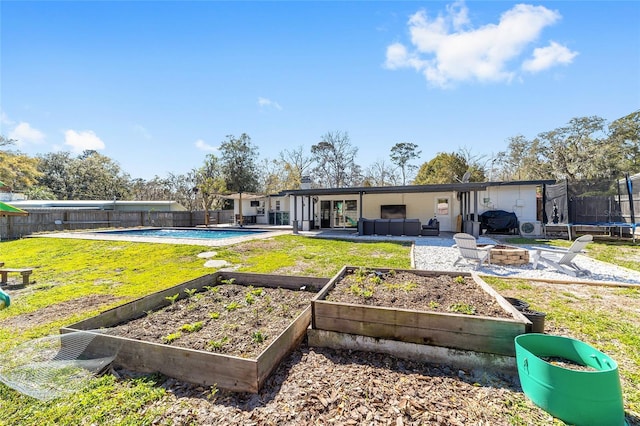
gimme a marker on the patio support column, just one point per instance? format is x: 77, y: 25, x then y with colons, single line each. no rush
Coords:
x: 360, y: 205
x: 295, y: 214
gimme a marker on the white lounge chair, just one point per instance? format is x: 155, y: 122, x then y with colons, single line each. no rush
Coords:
x: 470, y: 251
x: 562, y: 259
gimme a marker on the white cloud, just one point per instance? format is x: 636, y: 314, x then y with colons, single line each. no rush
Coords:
x: 23, y: 133
x: 203, y: 146
x: 82, y: 140
x: 546, y: 57
x: 448, y: 49
x: 142, y: 131
x: 268, y: 103
x: 4, y: 119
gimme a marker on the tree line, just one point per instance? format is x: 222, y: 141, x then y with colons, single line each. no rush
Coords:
x: 585, y: 148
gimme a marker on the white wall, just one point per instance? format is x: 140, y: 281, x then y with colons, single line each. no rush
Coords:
x: 520, y: 199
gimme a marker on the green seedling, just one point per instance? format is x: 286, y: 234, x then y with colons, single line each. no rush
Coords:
x: 216, y: 345
x: 433, y: 304
x: 190, y: 291
x: 172, y: 299
x: 459, y: 279
x: 232, y: 306
x: 228, y: 281
x: 212, y: 288
x: 249, y: 299
x: 462, y: 308
x: 172, y: 337
x: 192, y: 328
x: 258, y: 337
x: 214, y: 315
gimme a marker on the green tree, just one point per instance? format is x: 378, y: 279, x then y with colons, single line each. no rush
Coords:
x: 625, y: 135
x: 523, y: 160
x: 17, y: 170
x: 401, y: 154
x: 576, y: 151
x: 90, y: 176
x: 210, y: 184
x: 39, y: 193
x: 447, y: 168
x: 239, y: 165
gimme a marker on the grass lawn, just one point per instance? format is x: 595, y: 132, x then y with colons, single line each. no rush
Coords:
x: 83, y: 278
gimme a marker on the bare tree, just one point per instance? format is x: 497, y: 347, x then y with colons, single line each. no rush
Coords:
x: 296, y: 164
x: 335, y: 157
x: 380, y: 173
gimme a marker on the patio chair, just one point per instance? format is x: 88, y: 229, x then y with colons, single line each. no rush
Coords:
x: 562, y: 259
x: 470, y: 251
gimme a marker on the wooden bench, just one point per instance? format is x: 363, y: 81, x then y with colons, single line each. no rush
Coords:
x: 25, y: 272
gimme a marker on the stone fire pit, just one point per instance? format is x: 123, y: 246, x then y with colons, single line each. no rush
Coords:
x: 509, y: 255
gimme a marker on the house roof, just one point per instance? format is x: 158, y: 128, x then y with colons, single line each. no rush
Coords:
x: 97, y: 204
x: 444, y: 187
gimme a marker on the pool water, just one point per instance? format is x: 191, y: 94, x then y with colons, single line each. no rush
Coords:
x: 208, y: 234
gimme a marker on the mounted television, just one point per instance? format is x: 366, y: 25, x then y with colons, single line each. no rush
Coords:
x: 393, y: 211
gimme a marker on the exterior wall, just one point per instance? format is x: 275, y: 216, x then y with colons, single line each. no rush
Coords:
x: 519, y: 199
x: 419, y: 205
x: 267, y: 208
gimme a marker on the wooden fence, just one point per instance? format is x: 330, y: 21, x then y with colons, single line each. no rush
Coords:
x: 51, y: 220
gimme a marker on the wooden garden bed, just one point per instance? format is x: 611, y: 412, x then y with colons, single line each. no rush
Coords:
x: 148, y: 348
x: 452, y: 310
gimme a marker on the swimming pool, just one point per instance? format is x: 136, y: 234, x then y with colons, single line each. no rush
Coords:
x: 207, y: 234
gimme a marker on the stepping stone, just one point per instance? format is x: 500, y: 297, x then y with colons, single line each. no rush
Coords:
x: 215, y: 263
x: 207, y: 254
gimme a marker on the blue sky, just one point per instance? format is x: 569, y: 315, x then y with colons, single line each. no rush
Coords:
x: 158, y: 85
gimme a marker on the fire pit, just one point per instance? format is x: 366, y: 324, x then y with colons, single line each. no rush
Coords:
x: 509, y: 255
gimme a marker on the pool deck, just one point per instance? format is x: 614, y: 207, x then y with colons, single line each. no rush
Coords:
x: 105, y: 236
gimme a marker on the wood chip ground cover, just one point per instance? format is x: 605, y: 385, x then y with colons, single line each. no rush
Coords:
x: 229, y: 319
x: 404, y: 290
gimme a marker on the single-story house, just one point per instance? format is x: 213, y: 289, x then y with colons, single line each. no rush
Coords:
x: 456, y: 206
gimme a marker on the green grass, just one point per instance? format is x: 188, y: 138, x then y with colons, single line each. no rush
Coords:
x: 67, y: 270
x: 615, y: 330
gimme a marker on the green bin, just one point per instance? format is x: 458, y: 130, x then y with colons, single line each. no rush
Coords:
x: 575, y: 397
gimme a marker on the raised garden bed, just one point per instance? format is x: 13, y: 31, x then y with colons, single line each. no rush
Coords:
x: 452, y: 310
x: 227, y: 329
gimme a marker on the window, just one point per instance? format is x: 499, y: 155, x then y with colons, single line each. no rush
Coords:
x: 277, y: 205
x: 442, y: 206
x: 255, y: 203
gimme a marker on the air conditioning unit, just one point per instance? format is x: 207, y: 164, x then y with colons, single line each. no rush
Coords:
x: 530, y: 228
